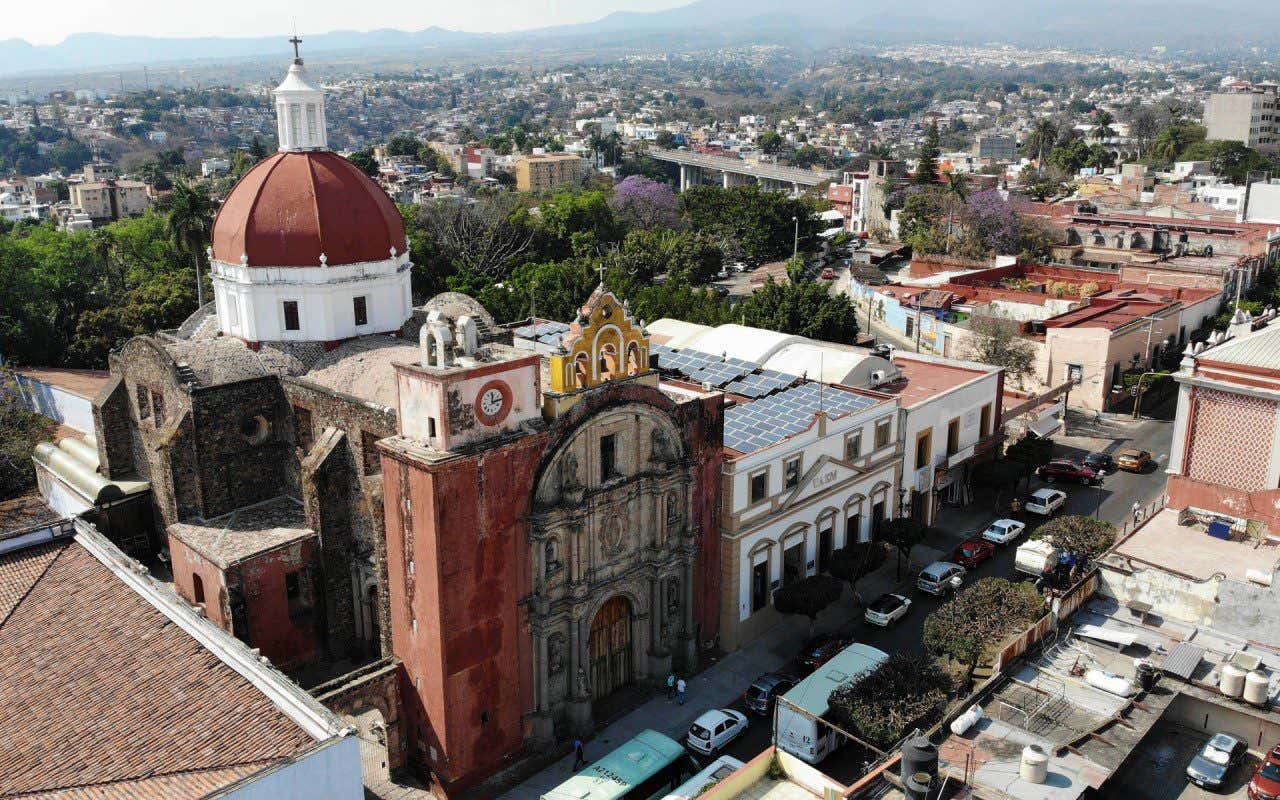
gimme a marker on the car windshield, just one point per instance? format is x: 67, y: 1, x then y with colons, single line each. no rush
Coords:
x: 1270, y: 771
x: 887, y: 603
x: 758, y: 692
x: 699, y: 732
x: 1217, y: 754
x: 970, y: 549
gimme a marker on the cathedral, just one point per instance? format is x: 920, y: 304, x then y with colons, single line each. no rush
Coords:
x: 339, y: 477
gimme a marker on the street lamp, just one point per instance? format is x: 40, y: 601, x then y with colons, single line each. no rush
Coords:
x: 1097, y: 509
x: 795, y: 249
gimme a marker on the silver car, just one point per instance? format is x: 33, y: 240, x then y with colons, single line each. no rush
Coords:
x: 1210, y: 766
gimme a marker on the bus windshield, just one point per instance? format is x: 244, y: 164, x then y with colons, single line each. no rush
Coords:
x: 648, y: 766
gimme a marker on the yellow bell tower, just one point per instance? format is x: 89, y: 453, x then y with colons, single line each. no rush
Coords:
x: 604, y: 343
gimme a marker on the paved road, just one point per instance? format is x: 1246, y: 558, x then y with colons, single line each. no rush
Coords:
x: 725, y: 682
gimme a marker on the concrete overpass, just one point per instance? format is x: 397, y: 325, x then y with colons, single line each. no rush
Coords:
x: 697, y: 169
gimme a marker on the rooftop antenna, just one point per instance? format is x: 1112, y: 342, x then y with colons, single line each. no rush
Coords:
x: 821, y: 372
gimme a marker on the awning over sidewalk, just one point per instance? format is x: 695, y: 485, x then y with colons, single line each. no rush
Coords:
x: 1046, y: 426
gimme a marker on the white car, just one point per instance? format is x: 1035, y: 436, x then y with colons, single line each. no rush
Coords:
x: 888, y: 609
x: 1046, y: 501
x: 1003, y: 531
x: 715, y: 729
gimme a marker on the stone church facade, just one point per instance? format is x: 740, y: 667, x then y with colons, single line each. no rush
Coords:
x: 563, y: 548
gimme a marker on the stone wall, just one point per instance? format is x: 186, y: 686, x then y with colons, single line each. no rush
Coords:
x: 243, y: 444
x: 374, y: 686
x: 1181, y: 598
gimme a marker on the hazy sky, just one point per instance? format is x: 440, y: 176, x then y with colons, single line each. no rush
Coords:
x: 49, y: 23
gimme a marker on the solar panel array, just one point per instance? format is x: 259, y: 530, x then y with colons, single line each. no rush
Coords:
x: 731, y: 374
x: 769, y: 420
x: 548, y: 333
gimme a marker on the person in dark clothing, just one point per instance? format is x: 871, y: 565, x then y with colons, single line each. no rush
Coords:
x: 579, y: 755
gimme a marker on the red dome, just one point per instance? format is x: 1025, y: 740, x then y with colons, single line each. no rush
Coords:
x: 292, y: 207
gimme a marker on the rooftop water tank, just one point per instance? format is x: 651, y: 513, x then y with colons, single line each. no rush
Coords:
x: 1035, y: 764
x: 1231, y: 682
x: 1255, y: 687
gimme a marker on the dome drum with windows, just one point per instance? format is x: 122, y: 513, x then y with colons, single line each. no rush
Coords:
x: 306, y: 246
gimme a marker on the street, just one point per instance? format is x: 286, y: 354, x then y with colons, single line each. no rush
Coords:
x: 724, y: 683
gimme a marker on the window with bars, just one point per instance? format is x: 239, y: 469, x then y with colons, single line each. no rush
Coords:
x: 291, y: 319
x: 361, y: 307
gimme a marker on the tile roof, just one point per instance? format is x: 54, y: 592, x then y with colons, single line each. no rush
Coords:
x: 245, y: 532
x: 106, y: 696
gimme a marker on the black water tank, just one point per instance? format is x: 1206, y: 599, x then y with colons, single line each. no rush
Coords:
x: 1147, y: 674
x: 919, y: 755
x: 917, y: 786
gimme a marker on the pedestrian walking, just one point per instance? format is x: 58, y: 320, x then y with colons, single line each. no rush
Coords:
x: 1015, y: 506
x: 680, y: 686
x: 579, y: 755
x: 1137, y: 512
x: 671, y: 686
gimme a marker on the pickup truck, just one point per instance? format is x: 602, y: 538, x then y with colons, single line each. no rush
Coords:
x: 1046, y: 501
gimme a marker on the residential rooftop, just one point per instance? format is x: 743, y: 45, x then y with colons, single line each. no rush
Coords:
x: 1188, y: 550
x: 1110, y: 314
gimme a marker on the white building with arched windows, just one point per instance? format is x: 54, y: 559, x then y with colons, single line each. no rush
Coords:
x: 806, y: 471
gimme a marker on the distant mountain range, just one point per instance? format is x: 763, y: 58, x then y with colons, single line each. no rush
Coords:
x: 1116, y: 25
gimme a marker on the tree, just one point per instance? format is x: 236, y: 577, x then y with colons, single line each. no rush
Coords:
x: 804, y: 309
x: 1144, y: 126
x: 685, y: 257
x: 1102, y: 121
x: 574, y: 220
x: 903, y: 693
x: 903, y: 534
x: 972, y: 625
x: 957, y: 193
x: 665, y: 140
x: 643, y: 203
x: 1084, y: 538
x: 1176, y: 137
x: 365, y: 161
x: 20, y: 431
x: 998, y: 342
x: 808, y: 596
x: 403, y: 146
x: 189, y: 211
x: 750, y: 223
x: 927, y: 170
x: 484, y: 238
x: 769, y: 142
x: 855, y: 561
x: 1043, y: 135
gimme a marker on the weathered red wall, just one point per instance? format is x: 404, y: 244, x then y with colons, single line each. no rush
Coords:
x: 186, y: 562
x: 286, y: 640
x: 464, y: 529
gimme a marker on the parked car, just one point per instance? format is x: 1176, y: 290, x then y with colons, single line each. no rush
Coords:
x: 1132, y: 460
x: 1064, y: 470
x: 969, y: 554
x: 1003, y: 531
x: 715, y: 729
x: 1265, y: 783
x: 821, y: 649
x: 736, y: 266
x: 765, y: 690
x: 1045, y: 501
x: 887, y: 609
x: 828, y: 274
x: 1100, y: 462
x: 1209, y: 768
x: 940, y: 577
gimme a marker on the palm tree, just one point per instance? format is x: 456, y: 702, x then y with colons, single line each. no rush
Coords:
x: 189, y: 225
x: 1102, y: 124
x: 1044, y: 133
x: 1170, y: 142
x: 958, y: 192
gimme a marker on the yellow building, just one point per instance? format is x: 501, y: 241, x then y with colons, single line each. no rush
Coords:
x: 539, y: 173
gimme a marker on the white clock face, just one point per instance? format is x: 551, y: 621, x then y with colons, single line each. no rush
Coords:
x: 491, y: 402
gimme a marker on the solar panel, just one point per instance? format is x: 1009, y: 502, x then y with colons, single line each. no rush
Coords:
x: 770, y: 419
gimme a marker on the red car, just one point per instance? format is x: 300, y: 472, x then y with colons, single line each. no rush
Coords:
x: 971, y: 553
x: 1265, y: 783
x: 821, y: 649
x: 1064, y: 470
x: 828, y: 274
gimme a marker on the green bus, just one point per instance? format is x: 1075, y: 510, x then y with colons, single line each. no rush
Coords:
x: 648, y: 766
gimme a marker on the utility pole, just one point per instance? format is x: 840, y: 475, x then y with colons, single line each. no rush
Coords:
x: 795, y: 249
x: 917, y: 326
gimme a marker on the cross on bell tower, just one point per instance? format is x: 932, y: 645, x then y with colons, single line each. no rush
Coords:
x: 297, y: 56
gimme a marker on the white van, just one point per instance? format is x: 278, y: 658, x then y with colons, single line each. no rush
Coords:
x: 799, y: 729
x: 1036, y: 558
x: 717, y: 770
